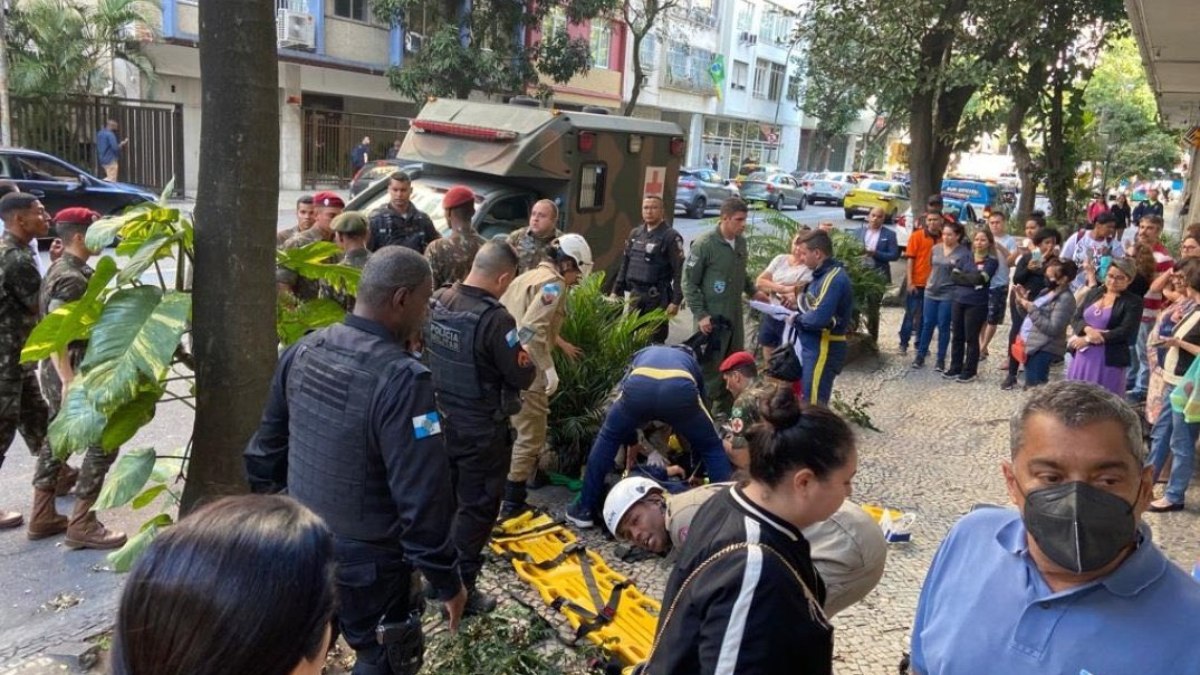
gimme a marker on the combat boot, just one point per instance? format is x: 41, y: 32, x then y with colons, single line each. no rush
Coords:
x: 514, y: 500
x: 67, y: 477
x: 86, y: 531
x: 45, y: 521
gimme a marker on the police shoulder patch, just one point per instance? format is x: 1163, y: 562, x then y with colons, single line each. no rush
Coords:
x: 550, y: 292
x: 429, y: 424
x: 512, y: 338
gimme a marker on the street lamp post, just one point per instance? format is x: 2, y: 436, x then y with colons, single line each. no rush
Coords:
x: 5, y: 115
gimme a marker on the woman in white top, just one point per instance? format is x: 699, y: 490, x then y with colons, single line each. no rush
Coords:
x: 784, y: 280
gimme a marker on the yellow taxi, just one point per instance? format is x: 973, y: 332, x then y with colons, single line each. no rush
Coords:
x: 888, y: 195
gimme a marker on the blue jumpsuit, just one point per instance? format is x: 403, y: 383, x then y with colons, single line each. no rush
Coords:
x: 826, y: 313
x: 663, y: 384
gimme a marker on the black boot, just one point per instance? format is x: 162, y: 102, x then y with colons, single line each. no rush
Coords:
x: 478, y: 603
x: 514, y: 500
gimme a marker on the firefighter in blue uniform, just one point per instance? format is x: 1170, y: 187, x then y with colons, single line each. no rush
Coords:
x: 663, y: 384
x: 825, y: 315
x: 351, y: 431
x: 479, y: 370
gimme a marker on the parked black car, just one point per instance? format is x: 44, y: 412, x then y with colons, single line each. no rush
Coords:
x: 61, y: 184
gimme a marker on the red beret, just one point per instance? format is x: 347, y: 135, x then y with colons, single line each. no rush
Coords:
x: 328, y: 199
x: 457, y: 196
x: 77, y: 215
x: 736, y: 360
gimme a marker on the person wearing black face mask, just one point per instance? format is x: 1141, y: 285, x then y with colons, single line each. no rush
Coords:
x: 1071, y: 581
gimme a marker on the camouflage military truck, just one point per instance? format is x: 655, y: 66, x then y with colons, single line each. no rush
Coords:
x: 595, y: 167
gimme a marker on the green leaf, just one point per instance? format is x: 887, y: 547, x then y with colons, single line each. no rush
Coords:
x: 155, y: 248
x: 73, y: 321
x: 293, y: 324
x: 78, y: 425
x: 166, y: 193
x: 166, y: 469
x: 123, y: 558
x: 147, y: 496
x: 126, y: 478
x: 140, y: 329
x: 126, y: 420
x: 310, y: 262
x: 101, y: 234
x: 160, y: 521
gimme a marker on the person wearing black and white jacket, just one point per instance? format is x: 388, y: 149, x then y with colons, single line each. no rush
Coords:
x: 745, y: 597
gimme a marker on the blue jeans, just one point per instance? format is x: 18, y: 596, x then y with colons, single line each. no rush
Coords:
x: 936, y: 314
x: 913, y: 302
x: 1171, y: 434
x: 1037, y: 368
x: 1138, y: 378
x: 674, y: 401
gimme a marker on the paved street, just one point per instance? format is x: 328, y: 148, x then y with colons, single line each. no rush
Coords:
x: 938, y: 455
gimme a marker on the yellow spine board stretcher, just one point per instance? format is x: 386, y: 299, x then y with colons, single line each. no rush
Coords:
x: 600, y: 604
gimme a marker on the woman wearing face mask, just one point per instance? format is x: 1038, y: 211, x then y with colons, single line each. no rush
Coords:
x: 1029, y: 279
x: 1104, y: 324
x: 1044, y: 330
x: 1172, y: 434
x: 969, y: 310
x: 745, y: 597
x: 939, y: 294
x: 785, y: 278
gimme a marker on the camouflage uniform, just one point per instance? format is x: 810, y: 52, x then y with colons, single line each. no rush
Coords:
x: 530, y: 248
x: 282, y: 236
x: 356, y: 258
x: 413, y: 228
x: 450, y: 258
x: 743, y: 415
x: 67, y: 281
x: 302, y: 288
x: 21, y: 405
x: 537, y: 300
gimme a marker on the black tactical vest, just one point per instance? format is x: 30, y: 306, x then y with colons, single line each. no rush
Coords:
x: 451, y: 348
x: 649, y: 264
x: 334, y: 465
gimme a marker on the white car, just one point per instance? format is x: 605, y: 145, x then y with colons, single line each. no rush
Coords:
x: 831, y: 188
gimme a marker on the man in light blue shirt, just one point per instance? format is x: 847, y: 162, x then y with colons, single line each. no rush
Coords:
x: 1071, y: 582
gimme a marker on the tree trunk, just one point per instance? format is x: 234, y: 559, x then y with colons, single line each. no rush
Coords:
x: 639, y: 77
x: 236, y: 213
x: 920, y: 150
x: 1058, y: 174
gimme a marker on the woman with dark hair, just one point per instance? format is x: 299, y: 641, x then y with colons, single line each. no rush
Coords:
x: 244, y: 585
x: 939, y: 294
x: 1105, y: 322
x: 745, y: 597
x: 1121, y: 211
x: 972, y: 277
x: 1029, y: 280
x: 1044, y: 330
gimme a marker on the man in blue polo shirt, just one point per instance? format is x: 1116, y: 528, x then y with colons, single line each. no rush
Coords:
x: 1071, y: 583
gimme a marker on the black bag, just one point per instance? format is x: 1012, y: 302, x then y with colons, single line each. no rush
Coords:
x: 784, y: 363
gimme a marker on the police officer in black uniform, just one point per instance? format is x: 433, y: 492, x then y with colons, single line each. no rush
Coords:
x: 351, y: 431
x: 652, y: 266
x: 399, y: 222
x: 479, y: 371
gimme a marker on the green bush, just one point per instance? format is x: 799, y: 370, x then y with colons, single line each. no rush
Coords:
x: 609, y: 336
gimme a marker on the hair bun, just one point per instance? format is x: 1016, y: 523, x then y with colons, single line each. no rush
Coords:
x: 782, y: 408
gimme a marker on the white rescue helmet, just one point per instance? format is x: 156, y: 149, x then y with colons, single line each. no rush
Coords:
x: 575, y: 247
x: 623, y: 496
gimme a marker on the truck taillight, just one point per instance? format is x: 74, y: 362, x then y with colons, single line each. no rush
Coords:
x: 587, y: 141
x: 462, y: 130
x: 677, y: 146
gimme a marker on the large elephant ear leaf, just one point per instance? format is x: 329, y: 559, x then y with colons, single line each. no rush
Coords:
x: 73, y: 321
x: 140, y: 327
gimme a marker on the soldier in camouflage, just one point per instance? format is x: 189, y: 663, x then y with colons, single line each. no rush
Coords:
x: 350, y: 234
x: 305, y: 215
x: 742, y: 381
x: 328, y: 206
x: 399, y: 222
x: 67, y: 281
x: 531, y: 242
x: 450, y: 257
x: 21, y: 405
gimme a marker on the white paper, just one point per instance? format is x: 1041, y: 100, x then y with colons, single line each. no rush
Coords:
x: 773, y: 310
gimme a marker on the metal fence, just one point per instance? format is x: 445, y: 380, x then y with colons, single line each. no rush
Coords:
x: 67, y: 129
x: 330, y: 135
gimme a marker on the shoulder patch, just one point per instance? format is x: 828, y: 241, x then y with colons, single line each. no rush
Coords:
x: 550, y: 292
x: 511, y: 338
x: 429, y: 424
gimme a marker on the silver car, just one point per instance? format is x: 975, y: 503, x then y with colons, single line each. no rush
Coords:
x: 701, y: 189
x: 831, y: 188
x: 776, y: 190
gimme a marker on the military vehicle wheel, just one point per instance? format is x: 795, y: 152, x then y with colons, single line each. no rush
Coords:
x: 697, y: 210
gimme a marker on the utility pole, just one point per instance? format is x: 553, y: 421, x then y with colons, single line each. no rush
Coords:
x: 5, y: 115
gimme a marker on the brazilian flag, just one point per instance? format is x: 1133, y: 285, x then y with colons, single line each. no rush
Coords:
x: 717, y: 72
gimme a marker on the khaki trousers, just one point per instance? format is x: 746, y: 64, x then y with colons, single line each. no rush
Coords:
x: 530, y: 427
x: 110, y: 172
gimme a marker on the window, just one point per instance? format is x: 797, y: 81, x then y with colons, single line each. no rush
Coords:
x: 776, y: 26
x: 601, y: 42
x: 688, y: 68
x: 741, y: 75
x: 508, y: 213
x: 591, y: 186
x: 778, y: 74
x: 795, y: 84
x: 648, y: 52
x: 350, y: 9
x: 38, y: 168
x: 745, y: 16
x: 554, y: 22
x: 761, y: 70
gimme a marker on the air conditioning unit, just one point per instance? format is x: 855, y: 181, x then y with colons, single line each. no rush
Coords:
x: 295, y: 29
x: 748, y: 38
x: 413, y: 42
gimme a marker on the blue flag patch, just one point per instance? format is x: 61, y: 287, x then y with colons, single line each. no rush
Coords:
x: 427, y: 425
x: 511, y: 338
